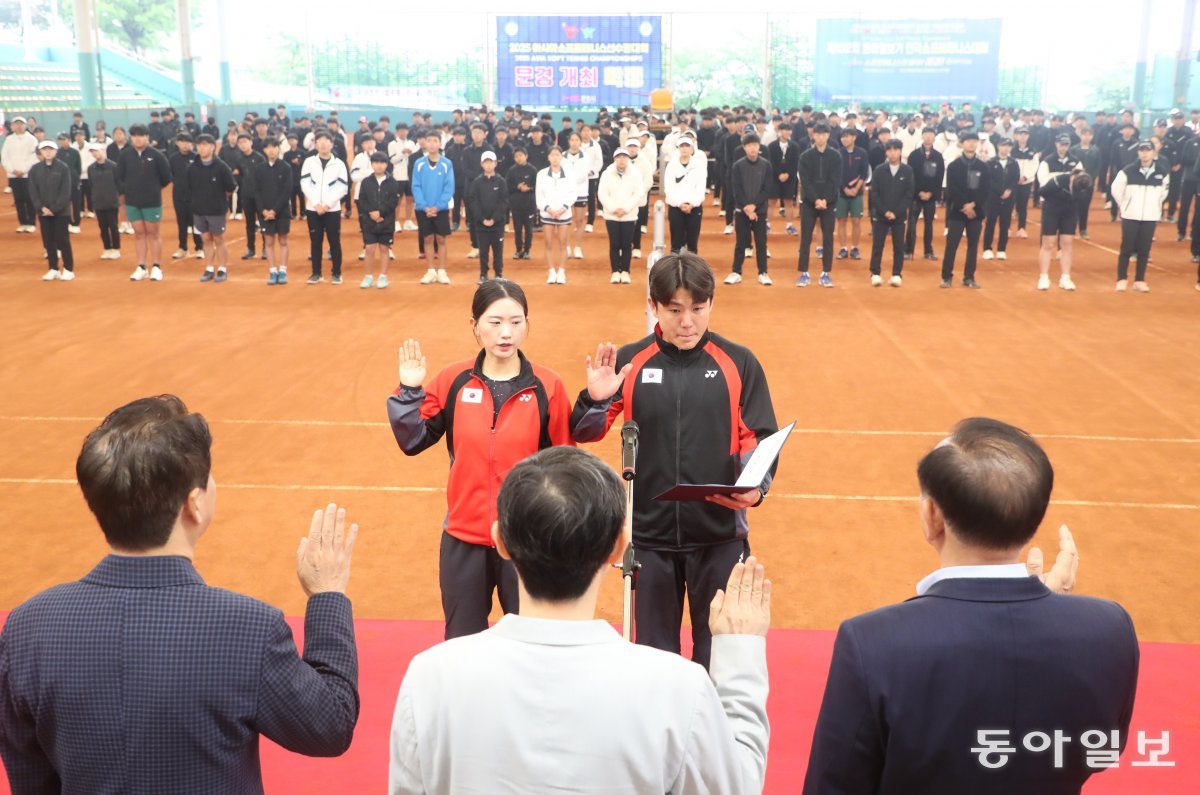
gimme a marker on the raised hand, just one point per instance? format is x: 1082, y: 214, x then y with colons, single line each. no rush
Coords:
x: 603, y: 380
x: 744, y: 607
x: 323, y: 559
x: 1061, y: 577
x: 412, y: 364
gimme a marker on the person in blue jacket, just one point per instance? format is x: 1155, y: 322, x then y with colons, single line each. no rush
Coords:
x: 433, y: 192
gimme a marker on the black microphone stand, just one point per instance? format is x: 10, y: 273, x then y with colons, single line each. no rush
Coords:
x: 629, y: 565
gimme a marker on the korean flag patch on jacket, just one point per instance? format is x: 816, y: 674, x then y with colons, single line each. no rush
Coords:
x: 652, y: 375
x: 472, y: 395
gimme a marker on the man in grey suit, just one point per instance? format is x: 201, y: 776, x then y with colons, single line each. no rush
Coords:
x: 990, y: 681
x: 140, y: 678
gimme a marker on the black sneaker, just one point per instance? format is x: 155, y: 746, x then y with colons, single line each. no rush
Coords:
x: 316, y: 278
x: 1170, y: 219
x: 974, y: 285
x: 910, y: 256
x: 482, y: 279
x: 336, y: 279
x: 207, y: 276
x: 249, y: 254
x: 946, y: 284
x: 931, y: 256
x: 1179, y: 238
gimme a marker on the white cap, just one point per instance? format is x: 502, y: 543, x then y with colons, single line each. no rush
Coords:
x: 16, y: 119
x: 47, y: 144
x: 686, y: 140
x: 624, y: 150
x: 644, y: 132
x: 96, y: 146
x: 488, y: 155
x: 632, y: 147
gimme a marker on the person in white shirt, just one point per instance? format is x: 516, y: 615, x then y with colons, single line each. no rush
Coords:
x: 556, y: 193
x: 910, y: 136
x: 552, y: 700
x: 579, y: 163
x: 620, y: 195
x: 399, y: 150
x: 684, y: 178
x: 17, y: 156
x: 1138, y: 191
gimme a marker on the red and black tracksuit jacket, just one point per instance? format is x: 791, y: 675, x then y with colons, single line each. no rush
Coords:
x: 700, y: 414
x: 483, y: 446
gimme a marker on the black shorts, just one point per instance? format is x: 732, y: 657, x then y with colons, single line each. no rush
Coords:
x: 784, y: 190
x: 381, y: 238
x: 281, y: 224
x: 405, y: 187
x: 1059, y: 219
x: 438, y: 225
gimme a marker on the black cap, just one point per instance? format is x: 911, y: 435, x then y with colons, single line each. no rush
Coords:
x: 1005, y: 142
x: 379, y: 157
x: 1177, y: 114
x: 1144, y: 145
x: 1063, y: 139
x: 1160, y: 122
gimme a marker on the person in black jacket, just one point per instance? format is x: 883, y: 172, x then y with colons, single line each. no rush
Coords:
x: 891, y: 196
x: 784, y: 154
x: 820, y: 183
x: 522, y: 201
x: 454, y: 151
x: 703, y: 404
x: 1003, y: 177
x: 50, y: 195
x: 142, y: 173
x: 273, y: 182
x: 966, y: 198
x: 929, y: 171
x: 106, y: 199
x: 74, y: 162
x: 245, y: 161
x: 378, y: 196
x: 181, y: 161
x: 209, y: 184
x: 750, y: 180
x: 1122, y: 153
x: 487, y: 196
x: 294, y: 157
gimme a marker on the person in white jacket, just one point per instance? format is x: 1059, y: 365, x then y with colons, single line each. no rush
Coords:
x: 324, y: 182
x: 578, y: 162
x: 556, y: 193
x: 684, y: 179
x: 645, y: 162
x: 620, y: 195
x: 1138, y: 191
x: 18, y: 155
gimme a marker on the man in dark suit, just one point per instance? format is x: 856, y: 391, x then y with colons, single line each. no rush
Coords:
x: 948, y: 692
x: 141, y: 678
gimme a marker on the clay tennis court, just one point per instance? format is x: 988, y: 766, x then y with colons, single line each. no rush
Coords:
x: 293, y: 380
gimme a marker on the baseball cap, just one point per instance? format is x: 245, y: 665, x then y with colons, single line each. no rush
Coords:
x: 1063, y: 139
x: 20, y: 119
x: 622, y: 152
x: 1143, y: 145
x: 488, y: 155
x: 688, y: 141
x: 47, y: 144
x: 748, y: 128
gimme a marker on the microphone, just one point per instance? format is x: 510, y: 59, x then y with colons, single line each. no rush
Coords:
x: 629, y: 449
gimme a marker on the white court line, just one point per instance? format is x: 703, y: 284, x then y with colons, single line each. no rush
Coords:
x: 1174, y: 506
x: 809, y: 431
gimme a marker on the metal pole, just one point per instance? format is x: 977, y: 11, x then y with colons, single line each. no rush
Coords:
x: 96, y: 48
x: 86, y: 54
x: 1183, y: 63
x: 27, y: 29
x: 1139, y: 73
x: 223, y: 53
x: 187, y: 65
x: 308, y: 56
x: 766, y: 88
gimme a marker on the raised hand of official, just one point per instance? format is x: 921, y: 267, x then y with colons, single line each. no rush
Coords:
x: 1061, y: 577
x: 412, y: 364
x: 323, y: 559
x: 603, y: 380
x: 744, y: 607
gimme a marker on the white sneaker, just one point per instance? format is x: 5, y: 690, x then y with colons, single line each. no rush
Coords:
x: 895, y: 281
x: 139, y: 274
x: 625, y: 278
x: 67, y: 276
x: 410, y: 226
x: 382, y: 283
x: 733, y: 278
x: 106, y: 254
x: 716, y: 202
x: 125, y: 228
x: 587, y: 228
x: 156, y: 274
x: 1141, y: 287
x: 90, y: 214
x: 637, y: 253
x: 616, y: 278
x: 367, y: 282
x: 199, y: 255
x: 1043, y: 282
x: 73, y: 229
x: 50, y: 276
x: 644, y: 229
x: 238, y: 217
x: 720, y: 214
x: 562, y: 276
x: 876, y: 280
x: 765, y: 279
x: 749, y: 252
x: 473, y: 254
x: 1065, y: 283
x: 988, y: 254
x: 728, y: 229
x: 1001, y: 255
x: 362, y: 255
x: 399, y: 227
x: 442, y: 276
x: 768, y: 253
x: 552, y: 277
x: 179, y: 254
x: 578, y: 253
x: 430, y: 277
x: 1122, y: 284
x: 191, y: 231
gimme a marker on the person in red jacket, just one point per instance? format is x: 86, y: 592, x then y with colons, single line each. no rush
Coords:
x: 494, y: 410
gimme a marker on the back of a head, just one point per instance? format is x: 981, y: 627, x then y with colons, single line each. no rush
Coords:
x: 137, y: 468
x: 560, y: 512
x: 992, y: 482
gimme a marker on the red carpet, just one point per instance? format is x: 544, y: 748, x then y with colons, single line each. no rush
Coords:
x: 1168, y: 696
